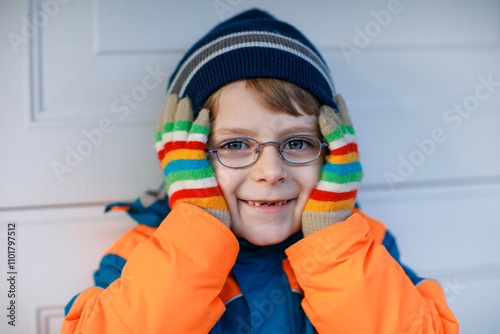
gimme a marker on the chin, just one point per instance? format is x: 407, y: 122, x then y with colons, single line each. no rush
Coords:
x: 266, y: 236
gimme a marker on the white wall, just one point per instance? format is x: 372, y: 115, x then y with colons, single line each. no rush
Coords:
x: 70, y: 71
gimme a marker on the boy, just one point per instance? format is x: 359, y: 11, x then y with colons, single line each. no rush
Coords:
x: 254, y: 243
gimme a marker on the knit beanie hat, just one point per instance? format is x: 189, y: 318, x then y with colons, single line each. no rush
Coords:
x: 251, y: 45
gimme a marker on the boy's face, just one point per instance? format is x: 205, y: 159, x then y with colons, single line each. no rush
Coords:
x: 239, y: 114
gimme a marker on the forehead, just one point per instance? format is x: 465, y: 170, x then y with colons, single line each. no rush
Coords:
x: 238, y: 112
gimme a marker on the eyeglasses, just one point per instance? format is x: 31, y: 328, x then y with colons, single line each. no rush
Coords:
x: 244, y: 152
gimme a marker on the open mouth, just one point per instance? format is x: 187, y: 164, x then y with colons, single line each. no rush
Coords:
x: 279, y: 203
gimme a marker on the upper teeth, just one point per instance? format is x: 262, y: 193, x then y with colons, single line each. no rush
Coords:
x: 266, y: 203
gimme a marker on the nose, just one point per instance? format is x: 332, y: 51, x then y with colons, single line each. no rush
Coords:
x: 269, y: 167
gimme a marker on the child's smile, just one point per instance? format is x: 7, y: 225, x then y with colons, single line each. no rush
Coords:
x: 266, y: 207
x: 266, y: 199
x: 268, y: 203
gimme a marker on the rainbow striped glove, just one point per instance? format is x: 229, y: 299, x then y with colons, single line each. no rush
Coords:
x: 189, y: 176
x: 334, y: 197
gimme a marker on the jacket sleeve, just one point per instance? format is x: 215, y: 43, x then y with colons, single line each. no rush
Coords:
x: 352, y: 284
x: 169, y: 284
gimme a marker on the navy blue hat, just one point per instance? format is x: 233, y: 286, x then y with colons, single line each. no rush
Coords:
x: 251, y: 45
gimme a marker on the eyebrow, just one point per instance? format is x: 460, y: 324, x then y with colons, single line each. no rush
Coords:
x: 298, y: 129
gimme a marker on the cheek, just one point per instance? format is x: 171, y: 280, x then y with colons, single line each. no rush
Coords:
x: 224, y: 181
x: 226, y: 178
x: 310, y: 177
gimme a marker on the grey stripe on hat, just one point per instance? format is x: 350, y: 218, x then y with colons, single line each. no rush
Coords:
x: 241, y: 40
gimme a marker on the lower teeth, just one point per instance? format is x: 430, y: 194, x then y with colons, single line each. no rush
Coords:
x: 270, y: 204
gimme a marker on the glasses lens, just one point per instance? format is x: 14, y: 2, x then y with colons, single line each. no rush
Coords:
x: 238, y: 152
x: 300, y: 149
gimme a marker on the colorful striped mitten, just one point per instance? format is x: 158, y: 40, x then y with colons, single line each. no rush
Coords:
x: 189, y: 176
x: 335, y: 195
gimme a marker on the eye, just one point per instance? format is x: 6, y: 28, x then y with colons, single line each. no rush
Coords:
x: 233, y: 145
x: 297, y: 143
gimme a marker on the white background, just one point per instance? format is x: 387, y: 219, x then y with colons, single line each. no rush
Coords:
x: 67, y: 66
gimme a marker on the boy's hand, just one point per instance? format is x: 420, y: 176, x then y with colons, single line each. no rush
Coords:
x: 189, y: 176
x: 334, y: 197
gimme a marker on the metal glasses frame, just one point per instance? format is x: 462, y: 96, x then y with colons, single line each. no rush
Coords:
x: 260, y: 145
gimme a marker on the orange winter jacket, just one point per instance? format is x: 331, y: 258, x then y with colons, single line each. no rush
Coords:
x: 182, y: 277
